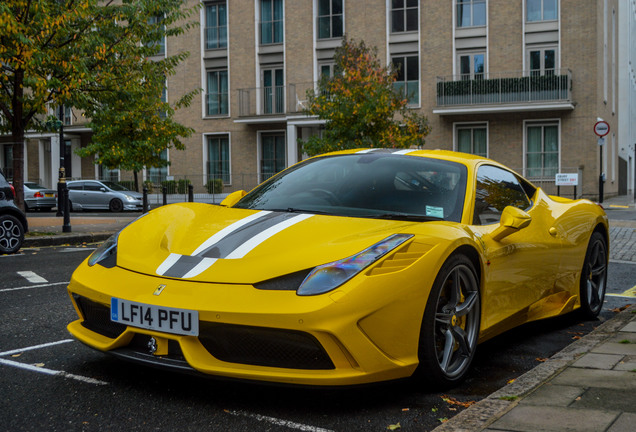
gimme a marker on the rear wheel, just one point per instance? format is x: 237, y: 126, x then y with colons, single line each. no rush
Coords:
x: 450, y: 327
x: 11, y: 234
x: 594, y: 277
x: 115, y: 205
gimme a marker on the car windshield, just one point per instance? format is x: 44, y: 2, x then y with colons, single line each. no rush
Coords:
x: 372, y: 185
x: 115, y: 186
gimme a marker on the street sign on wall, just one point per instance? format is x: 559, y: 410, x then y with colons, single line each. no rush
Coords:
x: 564, y: 179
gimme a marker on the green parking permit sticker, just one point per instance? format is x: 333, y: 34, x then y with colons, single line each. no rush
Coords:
x: 437, y: 212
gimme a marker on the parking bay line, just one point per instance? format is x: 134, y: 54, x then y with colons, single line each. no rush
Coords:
x: 278, y: 422
x: 32, y: 277
x: 34, y: 286
x: 44, y: 370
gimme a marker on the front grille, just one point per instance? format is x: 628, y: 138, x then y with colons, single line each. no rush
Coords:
x: 262, y: 346
x: 97, y: 318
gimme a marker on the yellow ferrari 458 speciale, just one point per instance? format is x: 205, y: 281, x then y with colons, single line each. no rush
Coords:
x: 346, y: 268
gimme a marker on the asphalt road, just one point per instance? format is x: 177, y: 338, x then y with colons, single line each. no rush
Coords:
x: 48, y: 381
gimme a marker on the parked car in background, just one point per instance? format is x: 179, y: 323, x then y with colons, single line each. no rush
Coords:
x: 37, y: 197
x: 102, y: 195
x: 13, y: 223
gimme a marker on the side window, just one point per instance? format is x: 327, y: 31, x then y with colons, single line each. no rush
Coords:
x: 75, y: 186
x: 95, y: 187
x: 496, y: 189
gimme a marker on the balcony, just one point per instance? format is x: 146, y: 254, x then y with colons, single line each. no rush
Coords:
x: 504, y: 92
x: 275, y: 103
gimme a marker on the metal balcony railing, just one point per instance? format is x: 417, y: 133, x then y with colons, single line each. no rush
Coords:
x: 505, y: 88
x: 274, y: 100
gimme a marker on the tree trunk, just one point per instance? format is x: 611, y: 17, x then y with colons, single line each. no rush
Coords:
x: 136, y: 181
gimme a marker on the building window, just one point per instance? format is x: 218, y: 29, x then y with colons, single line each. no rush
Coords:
x: 404, y: 16
x: 272, y: 154
x: 273, y: 91
x: 472, y: 139
x: 472, y: 65
x: 219, y: 158
x: 106, y: 174
x: 326, y: 70
x: 271, y: 21
x: 217, y: 97
x: 159, y: 45
x: 330, y: 22
x: 542, y: 150
x: 407, y: 81
x: 471, y: 13
x: 215, y: 25
x: 542, y: 61
x: 158, y: 174
x: 541, y: 10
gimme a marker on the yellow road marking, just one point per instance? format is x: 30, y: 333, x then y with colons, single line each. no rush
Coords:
x: 629, y: 293
x: 618, y: 206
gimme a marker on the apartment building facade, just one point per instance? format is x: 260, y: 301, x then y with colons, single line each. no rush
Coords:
x: 520, y: 81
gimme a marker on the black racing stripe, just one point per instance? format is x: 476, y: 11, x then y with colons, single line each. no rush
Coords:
x: 184, y: 264
x: 235, y: 239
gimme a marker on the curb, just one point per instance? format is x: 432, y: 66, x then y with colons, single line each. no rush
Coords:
x: 57, y: 240
x: 485, y: 412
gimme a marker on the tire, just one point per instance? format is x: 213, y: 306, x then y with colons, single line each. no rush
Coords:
x: 594, y: 277
x: 450, y: 326
x: 11, y: 234
x: 115, y: 205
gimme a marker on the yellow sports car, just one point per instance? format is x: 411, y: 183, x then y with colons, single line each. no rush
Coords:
x: 346, y: 268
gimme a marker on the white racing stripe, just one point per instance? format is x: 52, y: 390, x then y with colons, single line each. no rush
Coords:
x: 168, y: 262
x: 279, y: 422
x: 228, y: 230
x: 32, y: 277
x: 34, y: 286
x: 200, y: 268
x: 246, y: 247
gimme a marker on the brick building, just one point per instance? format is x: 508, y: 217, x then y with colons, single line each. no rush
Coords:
x: 520, y: 81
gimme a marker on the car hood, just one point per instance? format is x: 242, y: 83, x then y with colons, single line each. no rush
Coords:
x: 203, y: 242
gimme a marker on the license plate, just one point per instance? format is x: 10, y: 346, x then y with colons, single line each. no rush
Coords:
x: 163, y: 319
x: 48, y: 195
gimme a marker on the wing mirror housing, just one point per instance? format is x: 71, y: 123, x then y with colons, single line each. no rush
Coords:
x: 233, y: 198
x: 512, y: 220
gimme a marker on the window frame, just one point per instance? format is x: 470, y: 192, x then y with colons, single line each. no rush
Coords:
x: 405, y: 11
x: 472, y: 126
x: 403, y: 85
x: 542, y: 50
x: 543, y: 124
x: 542, y: 17
x: 472, y: 74
x: 225, y: 176
x: 219, y: 93
x: 159, y: 172
x: 277, y: 97
x: 277, y: 24
x: 331, y: 17
x: 221, y: 44
x: 471, y: 4
x: 261, y: 142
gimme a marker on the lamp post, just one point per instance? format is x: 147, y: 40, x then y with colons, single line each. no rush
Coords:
x: 62, y: 191
x: 601, y: 128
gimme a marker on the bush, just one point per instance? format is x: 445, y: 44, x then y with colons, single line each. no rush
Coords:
x: 149, y: 185
x: 182, y: 186
x: 214, y: 186
x: 170, y: 185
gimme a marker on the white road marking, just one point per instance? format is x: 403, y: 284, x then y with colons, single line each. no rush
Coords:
x: 68, y: 249
x: 621, y: 262
x: 279, y: 422
x: 34, y: 286
x: 44, y: 370
x: 32, y: 277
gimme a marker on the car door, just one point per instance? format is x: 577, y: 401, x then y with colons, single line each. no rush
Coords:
x: 76, y: 194
x: 96, y: 195
x: 521, y: 267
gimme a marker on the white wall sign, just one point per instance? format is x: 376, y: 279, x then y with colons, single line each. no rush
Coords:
x: 563, y: 179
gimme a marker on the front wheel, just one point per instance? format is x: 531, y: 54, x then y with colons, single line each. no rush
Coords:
x: 594, y: 277
x: 115, y: 205
x: 450, y: 327
x: 11, y: 234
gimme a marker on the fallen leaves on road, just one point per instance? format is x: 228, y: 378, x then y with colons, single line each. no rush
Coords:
x: 541, y: 359
x: 510, y: 381
x: 620, y: 309
x: 452, y: 401
x: 394, y: 426
x: 16, y: 355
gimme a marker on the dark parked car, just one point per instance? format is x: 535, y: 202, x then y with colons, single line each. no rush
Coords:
x: 13, y: 223
x: 37, y: 197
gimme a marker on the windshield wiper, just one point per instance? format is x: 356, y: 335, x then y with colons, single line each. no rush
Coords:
x: 297, y: 210
x: 406, y: 217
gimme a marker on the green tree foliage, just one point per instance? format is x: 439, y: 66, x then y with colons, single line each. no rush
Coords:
x: 86, y: 54
x: 361, y: 106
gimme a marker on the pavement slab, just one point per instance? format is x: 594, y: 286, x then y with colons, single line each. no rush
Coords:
x: 598, y: 361
x: 618, y: 380
x: 553, y: 395
x: 527, y: 418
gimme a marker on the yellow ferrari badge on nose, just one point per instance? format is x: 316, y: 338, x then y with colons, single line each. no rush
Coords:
x: 159, y: 289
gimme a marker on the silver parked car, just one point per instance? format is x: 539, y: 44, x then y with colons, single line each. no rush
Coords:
x: 104, y: 195
x: 37, y: 197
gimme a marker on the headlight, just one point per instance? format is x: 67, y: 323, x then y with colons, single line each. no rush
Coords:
x: 330, y: 276
x: 106, y: 254
x: 130, y: 197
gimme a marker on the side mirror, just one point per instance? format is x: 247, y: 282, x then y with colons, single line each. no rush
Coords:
x: 512, y: 220
x: 233, y: 198
x: 102, y: 189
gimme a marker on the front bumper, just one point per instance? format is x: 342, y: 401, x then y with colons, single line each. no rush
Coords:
x: 350, y: 336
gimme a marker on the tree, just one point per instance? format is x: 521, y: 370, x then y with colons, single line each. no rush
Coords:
x: 361, y: 106
x: 77, y: 53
